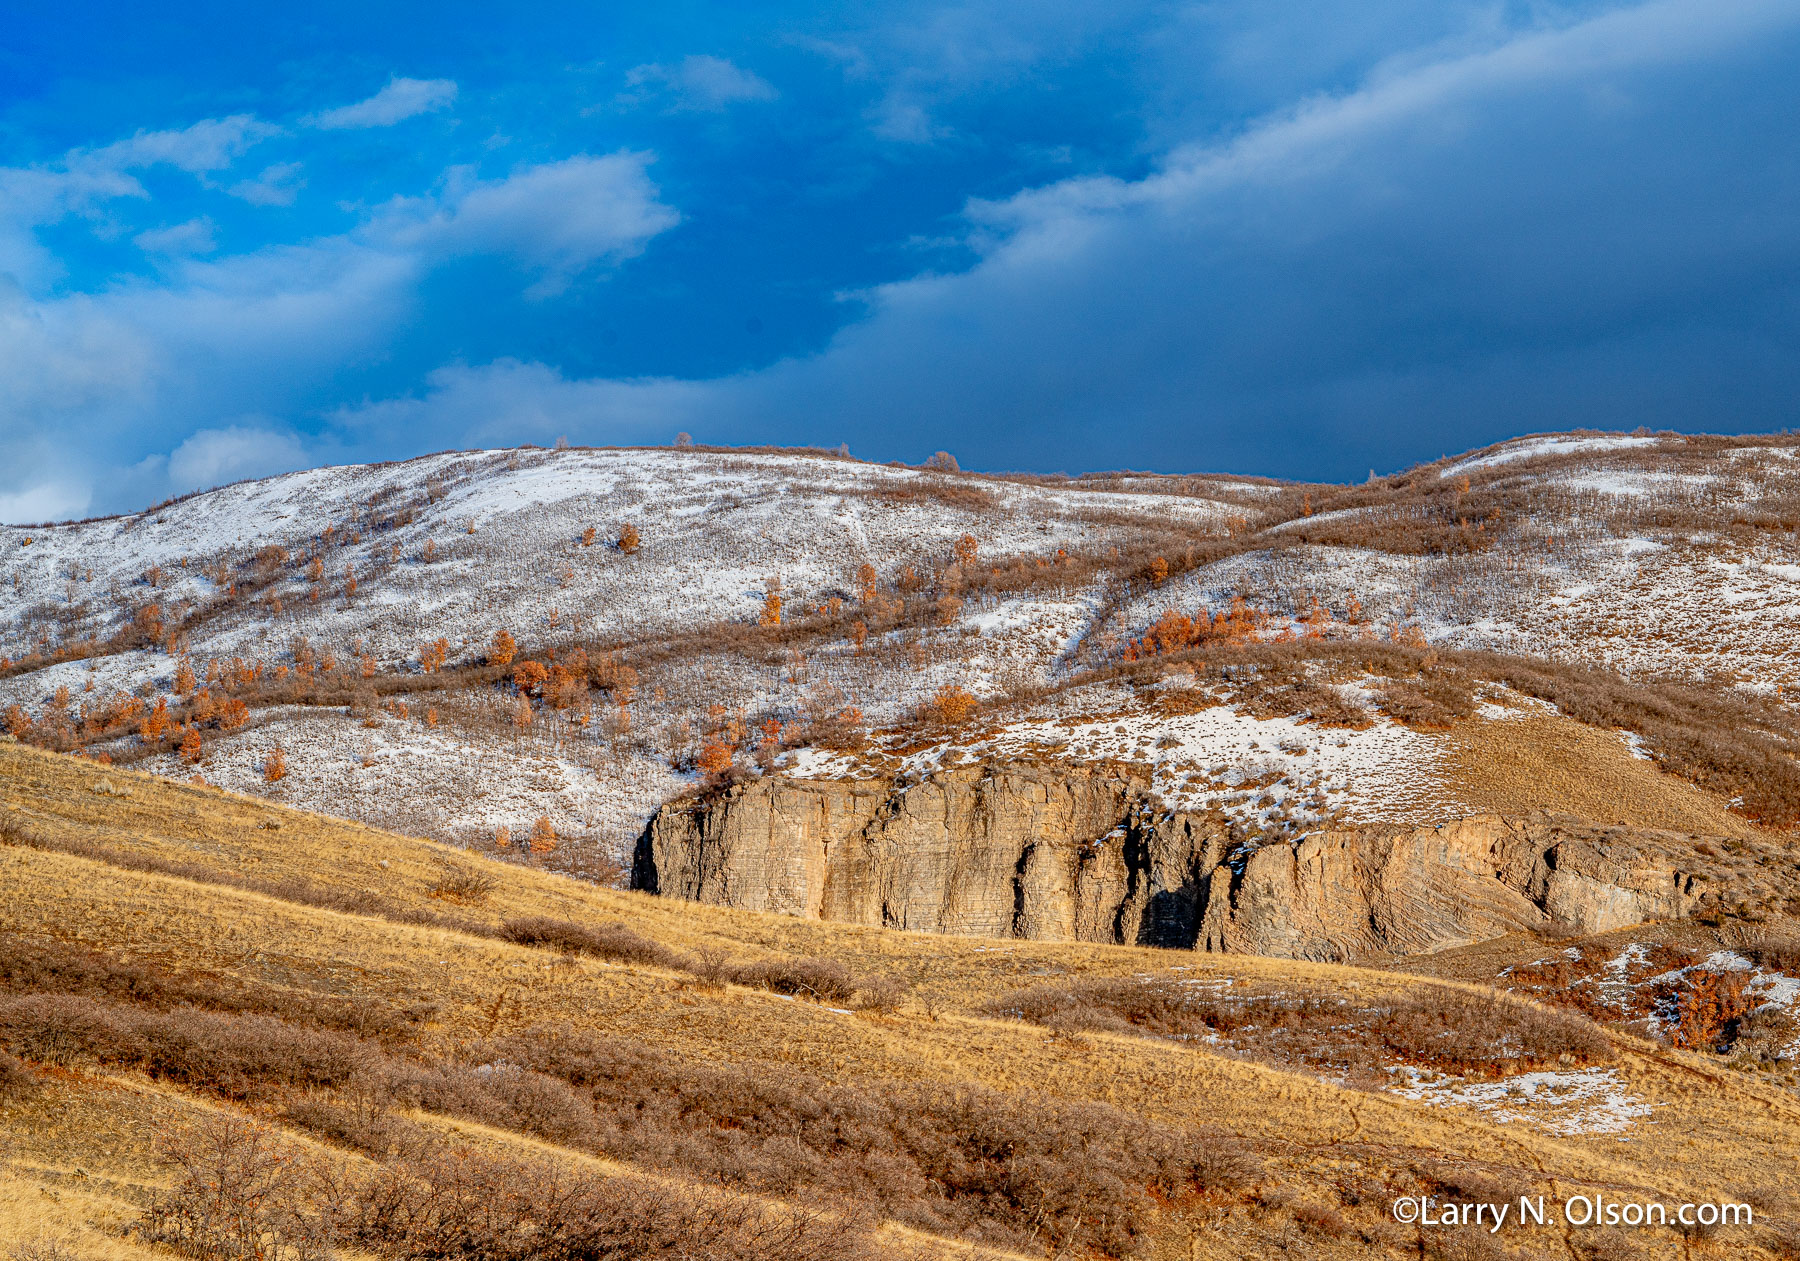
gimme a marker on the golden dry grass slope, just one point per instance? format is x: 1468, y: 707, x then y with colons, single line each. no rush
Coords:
x: 1326, y: 1160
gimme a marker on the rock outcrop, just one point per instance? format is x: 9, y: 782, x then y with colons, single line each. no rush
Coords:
x: 1057, y: 852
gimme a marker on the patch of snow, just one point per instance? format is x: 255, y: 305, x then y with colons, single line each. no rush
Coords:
x: 1568, y: 1103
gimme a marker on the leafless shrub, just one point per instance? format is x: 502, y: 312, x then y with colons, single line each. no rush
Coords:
x: 16, y: 1080
x: 611, y: 941
x: 1433, y: 700
x: 29, y: 965
x: 1778, y: 954
x: 990, y: 1166
x: 461, y: 885
x: 238, y: 1196
x: 458, y: 1206
x: 44, y: 1249
x: 879, y: 994
x: 1436, y: 1026
x: 234, y: 1056
x: 825, y: 980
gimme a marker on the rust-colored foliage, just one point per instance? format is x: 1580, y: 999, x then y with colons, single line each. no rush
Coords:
x: 771, y: 610
x: 1175, y: 631
x: 18, y: 722
x: 503, y: 837
x: 859, y: 633
x: 1317, y: 619
x: 1708, y: 1010
x: 155, y: 722
x: 275, y: 766
x: 433, y: 655
x: 543, y: 836
x: 715, y: 758
x: 528, y: 675
x: 952, y: 704
x: 966, y: 550
x: 1159, y: 571
x: 949, y: 608
x: 503, y: 650
x: 866, y: 578
x: 191, y: 752
x: 628, y: 539
x: 588, y: 535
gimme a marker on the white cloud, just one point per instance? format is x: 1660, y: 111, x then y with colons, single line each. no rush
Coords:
x: 508, y: 402
x: 213, y: 457
x: 400, y: 99
x: 214, y: 338
x: 210, y: 145
x: 557, y: 219
x: 48, y: 501
x: 908, y: 122
x: 276, y: 186
x: 193, y: 237
x: 1420, y: 263
x: 701, y: 83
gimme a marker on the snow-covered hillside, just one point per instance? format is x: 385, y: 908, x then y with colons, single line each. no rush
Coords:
x: 1652, y: 555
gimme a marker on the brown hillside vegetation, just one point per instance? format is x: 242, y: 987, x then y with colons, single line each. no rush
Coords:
x: 179, y: 966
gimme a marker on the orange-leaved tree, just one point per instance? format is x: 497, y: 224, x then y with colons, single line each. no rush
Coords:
x: 155, y: 722
x: 543, y: 836
x: 952, y: 704
x: 528, y: 675
x: 715, y: 758
x: 628, y: 539
x: 503, y: 650
x: 275, y: 765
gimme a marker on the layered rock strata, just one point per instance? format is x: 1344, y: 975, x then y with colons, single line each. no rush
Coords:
x: 1073, y: 853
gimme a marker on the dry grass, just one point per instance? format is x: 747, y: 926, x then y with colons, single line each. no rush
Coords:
x: 1328, y: 1155
x: 1536, y: 761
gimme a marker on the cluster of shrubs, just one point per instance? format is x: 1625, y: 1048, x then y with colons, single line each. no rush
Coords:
x: 1433, y: 1026
x: 825, y: 980
x: 985, y: 1165
x: 241, y: 1194
x: 36, y: 966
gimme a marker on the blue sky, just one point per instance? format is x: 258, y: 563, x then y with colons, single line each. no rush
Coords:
x: 1306, y: 239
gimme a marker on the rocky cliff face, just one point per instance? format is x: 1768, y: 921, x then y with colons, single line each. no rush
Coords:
x: 1059, y: 853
